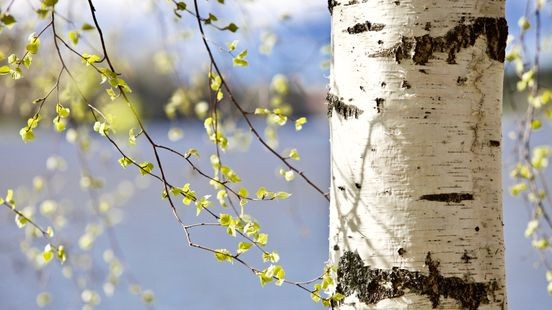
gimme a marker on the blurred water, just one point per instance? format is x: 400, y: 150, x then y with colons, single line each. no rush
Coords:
x: 184, y: 278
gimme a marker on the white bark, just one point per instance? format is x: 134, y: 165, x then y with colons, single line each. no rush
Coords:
x: 417, y: 170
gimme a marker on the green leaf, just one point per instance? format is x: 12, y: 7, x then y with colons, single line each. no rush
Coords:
x: 91, y: 59
x: 59, y: 124
x: 16, y: 73
x: 43, y: 299
x: 244, y: 247
x: 61, y: 111
x: 262, y: 239
x: 531, y: 228
x: 9, y: 196
x: 261, y: 192
x: 240, y: 62
x: 74, y: 37
x: 231, y: 27
x: 223, y: 255
x: 131, y: 137
x: 271, y: 257
x: 26, y: 134
x: 27, y: 61
x: 180, y: 6
x: 211, y: 18
x: 49, y: 231
x: 12, y: 59
x: 49, y: 2
x: 48, y: 253
x: 293, y: 154
x: 262, y: 111
x: 33, y: 44
x: 281, y: 195
x: 7, y: 20
x: 524, y: 23
x: 232, y: 46
x: 202, y: 203
x: 148, y: 297
x: 264, y: 278
x: 145, y: 168
x: 243, y: 192
x: 4, y: 70
x: 20, y: 221
x: 125, y: 161
x: 288, y: 175
x: 61, y: 254
x: 225, y: 219
x: 299, y: 123
x: 87, y: 27
x: 540, y: 244
x: 191, y: 152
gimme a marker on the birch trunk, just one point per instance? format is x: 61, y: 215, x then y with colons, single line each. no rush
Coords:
x: 415, y: 115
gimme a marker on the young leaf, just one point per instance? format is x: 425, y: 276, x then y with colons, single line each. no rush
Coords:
x: 244, y: 247
x: 145, y: 168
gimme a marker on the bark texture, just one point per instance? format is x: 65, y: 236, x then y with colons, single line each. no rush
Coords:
x: 415, y: 115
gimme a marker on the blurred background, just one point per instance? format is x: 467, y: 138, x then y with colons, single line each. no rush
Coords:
x: 72, y: 181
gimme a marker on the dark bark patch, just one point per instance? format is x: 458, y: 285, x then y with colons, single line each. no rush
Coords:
x: 494, y: 143
x: 343, y: 109
x: 421, y: 48
x: 461, y: 81
x: 406, y: 85
x: 401, y: 251
x: 466, y: 258
x: 448, y: 197
x: 379, y: 104
x: 341, y: 188
x: 371, y: 285
x: 358, y: 186
x: 363, y: 27
x: 331, y: 5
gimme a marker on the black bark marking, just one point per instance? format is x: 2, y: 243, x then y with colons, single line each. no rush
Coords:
x: 494, y: 143
x: 358, y: 186
x: 371, y: 285
x: 401, y: 251
x: 448, y: 197
x: 379, y: 104
x: 427, y: 26
x: 363, y: 27
x: 406, y: 85
x: 466, y: 258
x: 343, y: 109
x: 331, y: 4
x: 336, y: 247
x: 476, y: 228
x: 421, y: 48
x: 341, y: 188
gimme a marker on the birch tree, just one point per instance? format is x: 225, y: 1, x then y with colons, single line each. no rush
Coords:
x: 415, y: 113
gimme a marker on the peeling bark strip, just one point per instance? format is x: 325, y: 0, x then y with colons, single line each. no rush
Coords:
x: 372, y: 285
x: 363, y: 27
x: 448, y: 197
x: 343, y: 109
x: 421, y: 48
